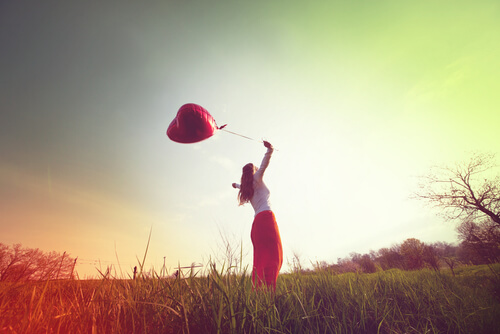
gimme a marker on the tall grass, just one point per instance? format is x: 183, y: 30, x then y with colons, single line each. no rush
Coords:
x: 223, y: 301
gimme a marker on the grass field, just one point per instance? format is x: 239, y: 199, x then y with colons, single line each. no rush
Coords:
x: 392, y: 301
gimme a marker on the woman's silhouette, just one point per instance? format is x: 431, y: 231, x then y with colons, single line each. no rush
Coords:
x: 267, y: 249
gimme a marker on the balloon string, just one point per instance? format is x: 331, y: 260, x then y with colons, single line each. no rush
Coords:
x: 237, y: 134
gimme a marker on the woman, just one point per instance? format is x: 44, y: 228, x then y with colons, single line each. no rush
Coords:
x: 267, y: 249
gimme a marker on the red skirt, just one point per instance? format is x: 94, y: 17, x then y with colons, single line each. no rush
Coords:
x: 267, y: 250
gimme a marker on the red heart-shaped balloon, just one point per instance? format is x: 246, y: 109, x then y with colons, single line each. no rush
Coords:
x: 192, y: 124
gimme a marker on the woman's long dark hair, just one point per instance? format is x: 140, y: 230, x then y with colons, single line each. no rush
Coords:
x: 246, y: 185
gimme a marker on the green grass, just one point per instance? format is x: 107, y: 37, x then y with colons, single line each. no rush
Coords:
x: 393, y: 301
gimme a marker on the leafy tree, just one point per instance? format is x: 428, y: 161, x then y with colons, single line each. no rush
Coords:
x: 390, y: 258
x: 345, y: 265
x: 413, y: 252
x: 367, y: 264
x: 364, y: 262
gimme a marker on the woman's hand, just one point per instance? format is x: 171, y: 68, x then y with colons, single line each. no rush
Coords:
x: 267, y: 144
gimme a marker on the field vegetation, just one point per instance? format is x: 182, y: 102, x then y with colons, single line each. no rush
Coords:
x: 223, y: 301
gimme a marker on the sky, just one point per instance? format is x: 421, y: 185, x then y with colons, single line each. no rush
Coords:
x: 360, y: 98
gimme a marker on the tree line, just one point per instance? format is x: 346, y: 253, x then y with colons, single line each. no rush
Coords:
x: 411, y: 254
x: 467, y: 193
x: 18, y: 263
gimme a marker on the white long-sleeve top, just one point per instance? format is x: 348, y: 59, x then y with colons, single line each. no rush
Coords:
x: 261, y: 194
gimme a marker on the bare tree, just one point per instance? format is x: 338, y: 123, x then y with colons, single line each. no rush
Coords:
x: 10, y: 261
x: 439, y: 252
x: 19, y: 264
x: 430, y: 256
x: 470, y: 193
x: 463, y: 191
x: 482, y: 238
